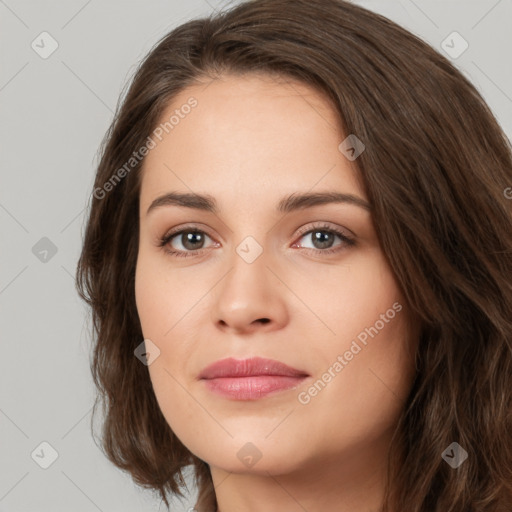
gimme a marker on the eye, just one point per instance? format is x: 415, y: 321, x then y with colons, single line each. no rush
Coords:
x: 323, y: 238
x: 185, y: 242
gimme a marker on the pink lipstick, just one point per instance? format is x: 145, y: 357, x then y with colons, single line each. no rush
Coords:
x: 250, y: 379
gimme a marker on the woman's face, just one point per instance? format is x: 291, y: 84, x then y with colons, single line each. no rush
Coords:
x: 268, y: 275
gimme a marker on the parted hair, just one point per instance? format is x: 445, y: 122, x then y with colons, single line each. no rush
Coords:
x: 437, y: 169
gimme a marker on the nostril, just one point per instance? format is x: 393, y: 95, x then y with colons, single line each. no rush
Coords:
x: 264, y: 320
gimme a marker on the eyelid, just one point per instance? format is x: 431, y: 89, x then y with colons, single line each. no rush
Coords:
x: 187, y: 227
x: 325, y: 226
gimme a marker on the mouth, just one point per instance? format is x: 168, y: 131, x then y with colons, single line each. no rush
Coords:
x: 250, y: 379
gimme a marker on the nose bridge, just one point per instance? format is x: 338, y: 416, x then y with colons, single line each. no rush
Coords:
x: 249, y: 274
x: 249, y: 292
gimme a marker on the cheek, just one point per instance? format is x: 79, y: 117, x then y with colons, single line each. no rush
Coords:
x: 167, y: 296
x: 349, y: 297
x: 367, y: 368
x: 361, y: 388
x: 160, y: 308
x: 149, y: 309
x: 155, y: 298
x: 164, y: 311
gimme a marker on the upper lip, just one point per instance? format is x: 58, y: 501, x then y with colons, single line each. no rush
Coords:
x: 249, y: 367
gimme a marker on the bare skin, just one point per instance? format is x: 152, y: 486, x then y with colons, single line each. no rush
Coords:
x: 250, y: 142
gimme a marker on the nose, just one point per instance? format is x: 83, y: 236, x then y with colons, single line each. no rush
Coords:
x: 249, y: 298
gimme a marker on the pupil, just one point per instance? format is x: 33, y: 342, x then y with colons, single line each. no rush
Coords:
x: 322, y: 238
x: 190, y: 239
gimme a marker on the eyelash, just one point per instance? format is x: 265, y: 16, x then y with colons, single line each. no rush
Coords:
x: 164, y: 241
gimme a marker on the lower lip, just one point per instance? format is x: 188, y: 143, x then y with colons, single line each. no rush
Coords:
x: 251, y: 388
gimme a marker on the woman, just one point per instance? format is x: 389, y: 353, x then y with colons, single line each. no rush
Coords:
x: 298, y: 258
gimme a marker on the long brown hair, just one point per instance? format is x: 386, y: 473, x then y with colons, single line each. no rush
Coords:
x: 436, y: 168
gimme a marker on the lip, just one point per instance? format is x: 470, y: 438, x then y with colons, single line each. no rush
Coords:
x: 253, y: 367
x: 250, y: 379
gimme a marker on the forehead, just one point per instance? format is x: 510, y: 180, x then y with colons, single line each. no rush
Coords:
x: 248, y: 135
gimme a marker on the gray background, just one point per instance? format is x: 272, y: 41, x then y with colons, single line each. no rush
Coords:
x: 53, y: 115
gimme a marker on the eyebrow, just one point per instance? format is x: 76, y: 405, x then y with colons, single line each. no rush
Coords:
x: 287, y: 204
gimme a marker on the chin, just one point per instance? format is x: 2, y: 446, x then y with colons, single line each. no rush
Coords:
x: 252, y: 455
